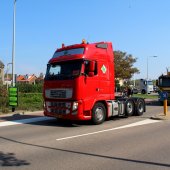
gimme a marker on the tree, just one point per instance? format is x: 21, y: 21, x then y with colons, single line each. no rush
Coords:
x: 124, y: 65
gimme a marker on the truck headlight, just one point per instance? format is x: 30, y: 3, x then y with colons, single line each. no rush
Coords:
x: 75, y: 106
x: 48, y: 104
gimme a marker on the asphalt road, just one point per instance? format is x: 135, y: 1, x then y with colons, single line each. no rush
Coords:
x: 121, y: 143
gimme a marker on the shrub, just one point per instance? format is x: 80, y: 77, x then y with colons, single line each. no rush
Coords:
x: 30, y: 98
x: 30, y: 88
x: 3, y: 99
x: 30, y: 101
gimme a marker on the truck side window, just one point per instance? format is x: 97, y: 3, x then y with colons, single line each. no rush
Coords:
x: 86, y: 70
x: 160, y: 81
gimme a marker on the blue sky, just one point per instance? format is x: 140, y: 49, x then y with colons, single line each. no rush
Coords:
x: 138, y: 27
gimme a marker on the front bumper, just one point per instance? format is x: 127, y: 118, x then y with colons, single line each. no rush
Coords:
x: 65, y: 110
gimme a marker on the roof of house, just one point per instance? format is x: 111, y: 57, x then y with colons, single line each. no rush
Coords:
x: 20, y: 77
x: 26, y: 77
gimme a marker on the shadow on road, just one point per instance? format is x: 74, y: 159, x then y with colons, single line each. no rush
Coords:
x: 17, y: 116
x: 9, y: 159
x: 90, y: 154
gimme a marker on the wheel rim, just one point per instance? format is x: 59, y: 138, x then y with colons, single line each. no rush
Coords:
x: 140, y: 107
x: 99, y: 114
x: 129, y: 107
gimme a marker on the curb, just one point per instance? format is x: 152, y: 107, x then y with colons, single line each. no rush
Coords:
x: 150, y: 101
x: 161, y: 117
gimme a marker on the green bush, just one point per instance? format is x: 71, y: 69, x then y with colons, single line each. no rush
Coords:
x: 30, y: 101
x: 29, y: 98
x: 3, y: 99
x: 30, y: 88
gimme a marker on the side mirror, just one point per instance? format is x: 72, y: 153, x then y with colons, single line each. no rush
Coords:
x: 91, y: 74
x: 91, y: 68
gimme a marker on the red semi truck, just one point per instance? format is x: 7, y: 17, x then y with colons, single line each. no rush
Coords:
x: 80, y: 85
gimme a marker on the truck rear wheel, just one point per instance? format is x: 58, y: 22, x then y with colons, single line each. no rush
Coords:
x: 140, y: 107
x: 129, y: 108
x: 98, y: 113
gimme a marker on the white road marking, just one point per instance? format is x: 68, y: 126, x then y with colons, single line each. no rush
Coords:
x: 143, y: 122
x: 24, y: 121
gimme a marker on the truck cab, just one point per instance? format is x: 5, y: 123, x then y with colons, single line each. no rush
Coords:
x: 145, y: 86
x: 163, y: 83
x: 78, y: 76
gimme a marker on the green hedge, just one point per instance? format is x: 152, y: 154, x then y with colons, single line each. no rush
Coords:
x: 30, y: 101
x: 29, y: 98
x: 30, y: 88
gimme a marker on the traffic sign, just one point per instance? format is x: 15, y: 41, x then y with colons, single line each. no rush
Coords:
x: 164, y: 95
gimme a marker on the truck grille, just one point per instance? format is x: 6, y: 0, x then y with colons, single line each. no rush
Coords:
x: 58, y: 93
x: 58, y: 107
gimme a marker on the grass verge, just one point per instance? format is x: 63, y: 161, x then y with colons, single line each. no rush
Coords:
x: 26, y: 102
x: 146, y: 96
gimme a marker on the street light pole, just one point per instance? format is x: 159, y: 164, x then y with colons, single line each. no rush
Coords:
x: 148, y: 66
x: 13, y: 46
x: 7, y: 74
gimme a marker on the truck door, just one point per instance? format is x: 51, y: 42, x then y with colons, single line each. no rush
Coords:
x: 105, y: 81
x: 90, y: 84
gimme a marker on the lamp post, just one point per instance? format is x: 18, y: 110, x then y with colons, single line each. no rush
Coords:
x: 148, y: 65
x: 7, y: 73
x: 13, y: 46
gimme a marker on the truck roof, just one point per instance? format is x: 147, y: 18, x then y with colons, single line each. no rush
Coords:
x: 78, y: 45
x: 92, y: 51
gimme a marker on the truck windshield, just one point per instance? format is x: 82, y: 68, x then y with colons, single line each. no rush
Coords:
x: 63, y: 70
x: 164, y: 82
x: 68, y: 52
x: 149, y: 83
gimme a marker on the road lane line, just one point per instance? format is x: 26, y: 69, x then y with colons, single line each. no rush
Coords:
x: 143, y: 122
x: 24, y: 121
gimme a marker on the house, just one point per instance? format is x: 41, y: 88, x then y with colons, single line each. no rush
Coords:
x: 1, y: 72
x: 26, y: 79
x: 8, y: 79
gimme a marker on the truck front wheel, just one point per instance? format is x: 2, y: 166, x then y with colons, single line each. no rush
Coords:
x: 98, y: 113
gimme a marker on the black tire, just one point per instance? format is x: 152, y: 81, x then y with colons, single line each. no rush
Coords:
x: 140, y: 107
x: 98, y: 113
x: 129, y: 108
x: 143, y: 91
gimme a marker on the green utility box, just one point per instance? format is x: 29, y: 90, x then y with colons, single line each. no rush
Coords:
x: 13, y: 96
